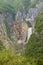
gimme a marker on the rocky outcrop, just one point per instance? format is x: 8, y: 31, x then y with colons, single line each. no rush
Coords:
x: 20, y: 28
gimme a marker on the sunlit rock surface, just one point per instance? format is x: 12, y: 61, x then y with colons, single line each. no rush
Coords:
x: 21, y: 28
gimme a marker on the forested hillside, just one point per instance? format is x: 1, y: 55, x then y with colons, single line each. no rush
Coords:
x: 35, y: 44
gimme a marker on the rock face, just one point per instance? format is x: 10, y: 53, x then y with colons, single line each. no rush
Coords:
x: 21, y: 28
x: 33, y: 13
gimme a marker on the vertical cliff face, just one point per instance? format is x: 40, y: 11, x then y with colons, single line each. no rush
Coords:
x: 20, y: 28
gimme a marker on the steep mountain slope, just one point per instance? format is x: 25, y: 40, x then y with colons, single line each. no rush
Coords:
x: 33, y: 54
x: 8, y: 9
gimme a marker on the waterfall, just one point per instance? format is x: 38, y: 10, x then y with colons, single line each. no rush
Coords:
x: 29, y: 32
